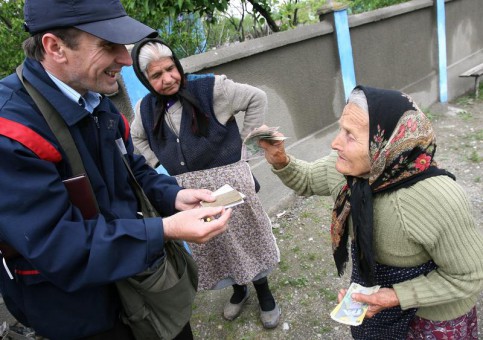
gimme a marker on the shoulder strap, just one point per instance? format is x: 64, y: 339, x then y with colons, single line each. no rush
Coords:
x: 56, y: 124
x: 146, y: 207
x: 62, y: 133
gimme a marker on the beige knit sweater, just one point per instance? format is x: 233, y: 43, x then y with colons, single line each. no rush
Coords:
x: 429, y: 220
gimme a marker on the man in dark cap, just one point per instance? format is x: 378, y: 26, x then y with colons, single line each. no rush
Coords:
x: 60, y: 264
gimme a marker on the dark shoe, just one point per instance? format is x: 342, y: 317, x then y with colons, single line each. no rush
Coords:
x: 271, y: 318
x: 232, y: 310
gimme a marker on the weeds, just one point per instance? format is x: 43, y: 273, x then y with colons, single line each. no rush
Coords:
x: 297, y: 282
x: 429, y: 114
x: 475, y: 157
x: 465, y: 101
x: 465, y: 115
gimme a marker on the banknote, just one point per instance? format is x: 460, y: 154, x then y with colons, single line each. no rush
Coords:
x: 225, y: 196
x: 252, y: 149
x: 351, y: 312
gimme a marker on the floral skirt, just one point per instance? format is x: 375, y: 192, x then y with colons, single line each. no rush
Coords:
x: 247, y: 250
x: 463, y: 328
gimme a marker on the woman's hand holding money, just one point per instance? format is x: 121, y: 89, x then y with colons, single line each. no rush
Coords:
x: 382, y: 299
x: 275, y: 150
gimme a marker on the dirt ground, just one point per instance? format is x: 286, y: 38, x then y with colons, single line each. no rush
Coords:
x: 306, y: 283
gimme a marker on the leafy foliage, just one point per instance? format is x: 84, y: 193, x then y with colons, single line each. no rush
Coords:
x: 359, y: 6
x: 190, y: 26
x: 152, y: 12
x: 12, y: 35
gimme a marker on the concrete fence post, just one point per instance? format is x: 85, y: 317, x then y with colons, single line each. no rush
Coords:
x: 442, y: 61
x: 336, y: 14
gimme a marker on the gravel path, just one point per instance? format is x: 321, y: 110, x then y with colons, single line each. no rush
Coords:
x: 305, y: 283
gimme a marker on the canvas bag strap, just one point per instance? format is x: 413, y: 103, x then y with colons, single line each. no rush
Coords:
x: 61, y: 131
x: 58, y: 127
x: 146, y: 207
x: 56, y: 124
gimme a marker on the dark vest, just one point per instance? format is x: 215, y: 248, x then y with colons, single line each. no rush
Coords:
x: 222, y: 145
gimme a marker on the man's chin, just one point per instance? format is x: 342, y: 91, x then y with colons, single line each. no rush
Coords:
x: 111, y: 90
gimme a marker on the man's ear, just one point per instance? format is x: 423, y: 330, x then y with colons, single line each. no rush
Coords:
x: 54, y: 48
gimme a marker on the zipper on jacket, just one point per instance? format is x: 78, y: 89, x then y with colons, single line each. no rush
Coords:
x: 96, y: 120
x: 96, y: 132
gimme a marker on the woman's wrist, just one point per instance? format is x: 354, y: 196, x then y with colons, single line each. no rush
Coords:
x: 282, y: 164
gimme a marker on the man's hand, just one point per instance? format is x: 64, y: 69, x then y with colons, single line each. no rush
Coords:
x: 191, y: 198
x: 196, y: 225
x: 382, y: 299
x: 275, y: 151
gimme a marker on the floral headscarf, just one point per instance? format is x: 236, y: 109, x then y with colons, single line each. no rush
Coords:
x: 402, y: 145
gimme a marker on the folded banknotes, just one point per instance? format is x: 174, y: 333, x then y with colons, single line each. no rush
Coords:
x: 252, y: 149
x: 226, y: 196
x: 351, y: 312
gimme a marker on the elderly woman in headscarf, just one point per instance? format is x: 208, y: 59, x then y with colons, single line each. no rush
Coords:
x: 187, y: 125
x: 409, y: 223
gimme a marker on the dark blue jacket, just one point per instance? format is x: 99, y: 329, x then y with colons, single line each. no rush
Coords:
x: 63, y: 280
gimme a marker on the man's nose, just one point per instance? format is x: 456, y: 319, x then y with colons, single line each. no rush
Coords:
x: 123, y: 57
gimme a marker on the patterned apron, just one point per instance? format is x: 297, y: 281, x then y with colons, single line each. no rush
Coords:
x: 247, y: 251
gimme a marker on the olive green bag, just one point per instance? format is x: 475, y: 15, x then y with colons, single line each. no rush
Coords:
x: 157, y: 302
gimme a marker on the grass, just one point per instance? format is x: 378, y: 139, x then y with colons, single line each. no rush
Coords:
x: 305, y: 283
x: 328, y: 294
x: 298, y: 282
x: 475, y: 157
x: 465, y: 101
x: 465, y: 115
x: 476, y: 136
x: 470, y: 98
x: 429, y: 114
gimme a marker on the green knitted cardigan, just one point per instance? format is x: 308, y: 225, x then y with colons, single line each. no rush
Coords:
x: 429, y: 220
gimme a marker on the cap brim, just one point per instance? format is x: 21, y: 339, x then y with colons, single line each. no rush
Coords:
x: 123, y: 30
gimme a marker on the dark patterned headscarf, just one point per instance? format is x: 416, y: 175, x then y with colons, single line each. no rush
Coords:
x: 199, y: 119
x: 402, y: 145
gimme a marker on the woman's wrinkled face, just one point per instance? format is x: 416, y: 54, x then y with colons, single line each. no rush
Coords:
x: 352, y: 142
x: 164, y: 77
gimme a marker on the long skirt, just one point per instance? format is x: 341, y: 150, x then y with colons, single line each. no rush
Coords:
x: 247, y: 251
x: 465, y: 327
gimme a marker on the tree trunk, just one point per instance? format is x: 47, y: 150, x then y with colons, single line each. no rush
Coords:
x: 266, y: 14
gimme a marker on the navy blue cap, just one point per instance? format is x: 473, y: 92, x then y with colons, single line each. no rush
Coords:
x: 105, y: 19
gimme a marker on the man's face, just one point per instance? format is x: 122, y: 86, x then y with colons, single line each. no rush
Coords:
x: 163, y: 76
x: 94, y: 65
x: 352, y: 142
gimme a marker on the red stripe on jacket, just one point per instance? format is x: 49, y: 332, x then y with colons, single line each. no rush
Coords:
x: 30, y: 139
x: 27, y: 272
x: 126, y: 128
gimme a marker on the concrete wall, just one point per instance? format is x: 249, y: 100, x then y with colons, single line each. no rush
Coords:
x: 394, y: 47
x: 464, y: 33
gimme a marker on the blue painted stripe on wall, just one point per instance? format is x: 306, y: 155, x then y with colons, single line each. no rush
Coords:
x: 443, y: 74
x: 345, y: 51
x: 135, y: 89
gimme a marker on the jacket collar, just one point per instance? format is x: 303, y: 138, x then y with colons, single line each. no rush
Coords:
x: 36, y: 75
